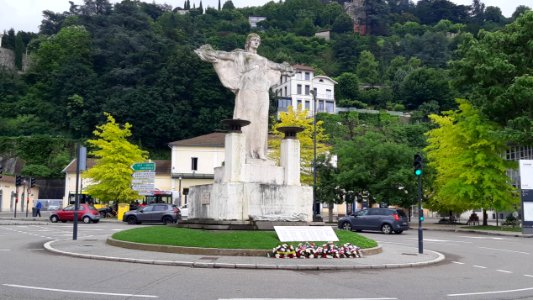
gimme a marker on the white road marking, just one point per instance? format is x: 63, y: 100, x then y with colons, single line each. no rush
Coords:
x: 493, y: 292
x: 78, y: 292
x: 527, y: 275
x: 457, y: 262
x: 482, y: 237
x: 307, y: 298
x: 5, y: 249
x: 505, y: 250
x: 504, y: 271
x: 443, y: 241
x: 481, y: 267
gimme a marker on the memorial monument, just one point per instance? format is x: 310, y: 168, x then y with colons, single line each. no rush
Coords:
x: 249, y: 186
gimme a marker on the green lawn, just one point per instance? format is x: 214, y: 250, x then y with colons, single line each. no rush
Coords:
x: 495, y: 228
x: 239, y: 239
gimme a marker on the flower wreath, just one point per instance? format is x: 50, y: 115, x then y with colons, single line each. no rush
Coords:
x: 311, y: 250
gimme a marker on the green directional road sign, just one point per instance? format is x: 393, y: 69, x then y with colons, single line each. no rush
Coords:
x: 146, y: 166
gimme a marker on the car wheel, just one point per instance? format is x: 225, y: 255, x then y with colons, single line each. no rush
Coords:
x: 96, y: 221
x: 346, y: 226
x: 131, y: 220
x: 54, y: 219
x: 167, y: 220
x: 86, y: 220
x: 386, y: 228
x: 398, y: 231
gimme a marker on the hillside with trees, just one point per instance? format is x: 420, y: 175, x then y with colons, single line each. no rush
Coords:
x: 135, y: 61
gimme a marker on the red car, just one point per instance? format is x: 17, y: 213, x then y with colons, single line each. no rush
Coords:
x: 86, y: 213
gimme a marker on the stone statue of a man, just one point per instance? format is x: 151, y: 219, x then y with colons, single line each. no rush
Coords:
x: 250, y: 77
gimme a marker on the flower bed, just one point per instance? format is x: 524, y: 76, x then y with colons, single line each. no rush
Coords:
x: 311, y: 250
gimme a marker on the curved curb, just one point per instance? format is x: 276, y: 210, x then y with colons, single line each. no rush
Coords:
x: 440, y: 257
x: 205, y: 251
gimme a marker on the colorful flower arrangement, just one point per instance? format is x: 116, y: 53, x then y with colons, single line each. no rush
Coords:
x: 311, y: 250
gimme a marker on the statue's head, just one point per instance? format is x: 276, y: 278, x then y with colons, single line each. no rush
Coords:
x: 249, y: 38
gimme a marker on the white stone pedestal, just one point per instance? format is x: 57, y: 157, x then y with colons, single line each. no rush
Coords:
x: 250, y: 189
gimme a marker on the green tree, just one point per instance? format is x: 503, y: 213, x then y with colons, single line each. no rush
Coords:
x: 112, y: 173
x: 347, y: 87
x: 300, y: 118
x: 368, y: 68
x: 466, y: 153
x: 495, y: 74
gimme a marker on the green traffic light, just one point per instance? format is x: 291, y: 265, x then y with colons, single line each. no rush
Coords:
x: 421, y: 218
x: 418, y: 172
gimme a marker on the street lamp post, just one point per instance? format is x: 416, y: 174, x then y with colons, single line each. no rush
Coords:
x: 179, y: 191
x: 316, y: 208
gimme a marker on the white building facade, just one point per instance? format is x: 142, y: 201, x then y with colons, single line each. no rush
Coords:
x: 297, y: 91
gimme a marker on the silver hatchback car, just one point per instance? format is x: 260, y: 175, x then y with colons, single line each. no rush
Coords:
x: 386, y: 220
x: 153, y: 213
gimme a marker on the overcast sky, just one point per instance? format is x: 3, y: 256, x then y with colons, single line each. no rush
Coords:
x: 26, y: 15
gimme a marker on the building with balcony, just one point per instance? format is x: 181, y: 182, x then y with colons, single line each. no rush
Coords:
x: 296, y: 91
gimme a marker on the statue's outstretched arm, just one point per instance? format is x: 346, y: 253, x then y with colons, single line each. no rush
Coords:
x: 285, y: 68
x: 207, y: 53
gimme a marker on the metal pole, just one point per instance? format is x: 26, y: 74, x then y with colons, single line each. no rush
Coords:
x: 77, y: 197
x: 420, y: 214
x: 16, y: 200
x: 315, y: 209
x: 179, y: 189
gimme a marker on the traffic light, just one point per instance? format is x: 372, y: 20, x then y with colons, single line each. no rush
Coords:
x: 421, y: 218
x: 418, y: 164
x: 32, y: 181
x: 18, y: 180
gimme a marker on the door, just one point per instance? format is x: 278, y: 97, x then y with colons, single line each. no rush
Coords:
x: 360, y: 220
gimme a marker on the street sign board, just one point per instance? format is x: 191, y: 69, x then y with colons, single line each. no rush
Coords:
x: 146, y: 166
x: 145, y: 186
x: 135, y: 181
x: 143, y: 174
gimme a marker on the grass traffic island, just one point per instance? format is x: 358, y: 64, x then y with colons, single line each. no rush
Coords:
x: 167, y: 238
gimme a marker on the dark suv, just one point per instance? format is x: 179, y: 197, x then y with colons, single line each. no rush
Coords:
x: 386, y: 220
x: 157, y: 212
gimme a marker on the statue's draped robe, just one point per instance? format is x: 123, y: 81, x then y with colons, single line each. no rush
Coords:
x: 250, y: 77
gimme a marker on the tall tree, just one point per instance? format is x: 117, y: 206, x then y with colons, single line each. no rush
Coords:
x: 368, y: 68
x: 112, y: 173
x: 467, y: 154
x: 495, y: 73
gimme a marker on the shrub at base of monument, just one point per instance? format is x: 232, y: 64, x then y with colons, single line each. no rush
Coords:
x: 311, y: 250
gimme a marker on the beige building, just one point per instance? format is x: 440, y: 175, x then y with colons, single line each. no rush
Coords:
x: 9, y: 194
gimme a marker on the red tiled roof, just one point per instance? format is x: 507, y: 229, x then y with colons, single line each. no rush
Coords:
x: 303, y: 67
x: 215, y: 139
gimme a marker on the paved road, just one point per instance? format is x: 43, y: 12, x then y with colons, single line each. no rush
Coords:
x: 477, y: 267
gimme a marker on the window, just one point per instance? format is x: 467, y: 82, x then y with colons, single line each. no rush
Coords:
x: 194, y: 163
x: 307, y: 89
x: 307, y: 76
x: 329, y: 95
x: 285, y: 92
x: 330, y: 107
x: 284, y: 103
x: 298, y: 103
x: 299, y: 89
x: 298, y: 75
x: 320, y: 105
x: 316, y: 92
x: 307, y: 104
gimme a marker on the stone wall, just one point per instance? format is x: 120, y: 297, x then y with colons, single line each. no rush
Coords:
x: 7, y: 58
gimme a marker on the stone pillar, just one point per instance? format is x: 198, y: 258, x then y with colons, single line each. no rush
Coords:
x: 290, y: 155
x: 234, y: 150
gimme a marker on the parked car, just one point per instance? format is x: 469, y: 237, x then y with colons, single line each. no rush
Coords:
x: 86, y: 213
x: 153, y: 213
x: 386, y: 220
x: 184, y: 211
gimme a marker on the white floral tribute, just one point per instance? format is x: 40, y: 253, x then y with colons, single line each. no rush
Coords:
x: 311, y: 250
